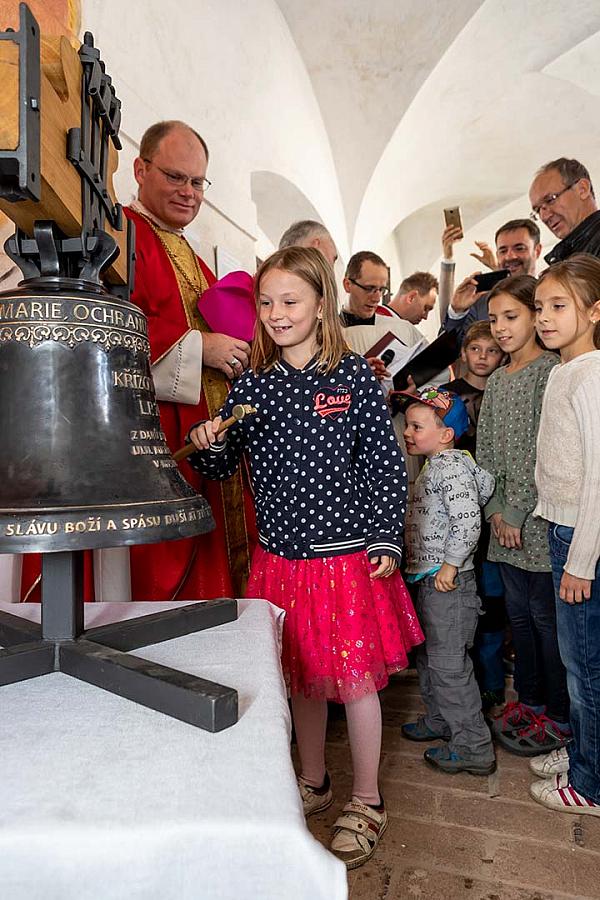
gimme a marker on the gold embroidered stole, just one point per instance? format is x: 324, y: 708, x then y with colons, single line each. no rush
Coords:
x: 192, y: 283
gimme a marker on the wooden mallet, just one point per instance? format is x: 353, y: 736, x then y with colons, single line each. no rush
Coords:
x: 239, y: 412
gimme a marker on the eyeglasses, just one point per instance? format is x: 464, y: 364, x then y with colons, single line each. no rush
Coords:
x: 179, y: 180
x: 371, y: 289
x: 549, y: 201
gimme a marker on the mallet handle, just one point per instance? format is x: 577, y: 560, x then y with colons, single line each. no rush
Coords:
x: 240, y: 410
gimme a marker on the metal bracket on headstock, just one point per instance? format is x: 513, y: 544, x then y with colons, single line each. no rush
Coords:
x: 59, y: 127
x: 20, y: 166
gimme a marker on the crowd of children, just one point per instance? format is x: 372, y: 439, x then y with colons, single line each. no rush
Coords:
x: 331, y: 499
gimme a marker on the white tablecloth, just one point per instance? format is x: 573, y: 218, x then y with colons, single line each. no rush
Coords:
x: 102, y: 798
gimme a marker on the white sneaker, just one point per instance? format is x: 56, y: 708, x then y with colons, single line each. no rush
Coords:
x: 557, y: 793
x: 314, y: 801
x: 550, y: 764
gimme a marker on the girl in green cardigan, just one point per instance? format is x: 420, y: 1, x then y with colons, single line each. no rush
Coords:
x: 506, y: 446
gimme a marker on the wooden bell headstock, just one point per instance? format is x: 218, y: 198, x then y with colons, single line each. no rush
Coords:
x: 59, y: 121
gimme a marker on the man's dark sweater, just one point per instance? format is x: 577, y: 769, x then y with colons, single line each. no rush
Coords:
x: 585, y: 238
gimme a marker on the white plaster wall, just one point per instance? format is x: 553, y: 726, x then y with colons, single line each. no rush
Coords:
x: 491, y: 111
x: 517, y: 85
x: 234, y: 73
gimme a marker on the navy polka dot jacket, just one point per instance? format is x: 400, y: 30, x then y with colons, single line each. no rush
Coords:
x: 328, y: 475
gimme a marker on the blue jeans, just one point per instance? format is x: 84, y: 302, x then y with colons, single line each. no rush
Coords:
x: 531, y: 609
x: 489, y: 638
x: 579, y: 640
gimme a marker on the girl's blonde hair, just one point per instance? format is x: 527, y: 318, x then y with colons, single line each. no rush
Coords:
x: 579, y: 276
x: 310, y: 265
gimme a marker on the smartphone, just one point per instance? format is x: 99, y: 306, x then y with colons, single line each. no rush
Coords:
x: 452, y: 217
x: 489, y: 280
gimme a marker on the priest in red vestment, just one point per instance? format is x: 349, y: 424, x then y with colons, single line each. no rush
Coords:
x: 192, y: 366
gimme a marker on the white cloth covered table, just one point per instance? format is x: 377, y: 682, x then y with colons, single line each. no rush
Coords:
x: 102, y: 798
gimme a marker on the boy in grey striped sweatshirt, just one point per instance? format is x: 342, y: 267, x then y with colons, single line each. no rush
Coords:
x: 442, y: 529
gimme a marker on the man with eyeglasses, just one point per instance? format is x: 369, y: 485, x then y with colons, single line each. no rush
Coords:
x: 562, y: 196
x: 366, y: 284
x: 191, y: 365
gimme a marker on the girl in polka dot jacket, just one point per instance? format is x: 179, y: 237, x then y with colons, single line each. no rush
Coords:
x: 330, y: 488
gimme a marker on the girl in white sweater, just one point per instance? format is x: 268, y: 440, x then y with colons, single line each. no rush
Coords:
x: 568, y: 482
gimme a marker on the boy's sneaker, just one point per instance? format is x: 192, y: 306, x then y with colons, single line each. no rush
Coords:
x: 512, y: 717
x: 550, y: 764
x: 357, y: 831
x: 420, y: 731
x: 557, y: 793
x: 540, y: 736
x: 448, y: 761
x: 314, y: 799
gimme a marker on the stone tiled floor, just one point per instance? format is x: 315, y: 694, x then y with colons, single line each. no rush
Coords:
x: 460, y: 836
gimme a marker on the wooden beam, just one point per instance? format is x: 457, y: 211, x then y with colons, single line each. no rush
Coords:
x: 60, y: 108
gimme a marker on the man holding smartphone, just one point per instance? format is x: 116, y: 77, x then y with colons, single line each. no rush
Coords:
x: 518, y: 248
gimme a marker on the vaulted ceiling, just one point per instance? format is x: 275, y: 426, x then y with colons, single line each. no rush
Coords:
x: 426, y: 103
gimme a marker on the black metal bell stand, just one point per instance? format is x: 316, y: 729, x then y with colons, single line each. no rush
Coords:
x: 99, y: 655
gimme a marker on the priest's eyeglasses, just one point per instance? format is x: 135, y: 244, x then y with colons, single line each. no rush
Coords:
x: 371, y: 288
x: 177, y: 178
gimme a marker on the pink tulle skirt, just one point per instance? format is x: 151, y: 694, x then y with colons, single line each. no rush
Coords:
x: 344, y: 633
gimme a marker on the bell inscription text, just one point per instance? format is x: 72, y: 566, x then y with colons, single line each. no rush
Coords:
x: 78, y: 367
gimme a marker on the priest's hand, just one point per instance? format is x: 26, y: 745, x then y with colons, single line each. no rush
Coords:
x: 205, y: 434
x: 229, y: 355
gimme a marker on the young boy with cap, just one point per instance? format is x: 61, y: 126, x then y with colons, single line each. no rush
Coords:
x: 442, y: 529
x: 481, y: 355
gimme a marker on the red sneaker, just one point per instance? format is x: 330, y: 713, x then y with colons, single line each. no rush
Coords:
x: 541, y: 736
x: 512, y: 717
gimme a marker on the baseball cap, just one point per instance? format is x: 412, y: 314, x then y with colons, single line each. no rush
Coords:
x: 447, y: 405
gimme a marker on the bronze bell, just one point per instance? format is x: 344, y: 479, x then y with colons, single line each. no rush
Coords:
x: 84, y: 461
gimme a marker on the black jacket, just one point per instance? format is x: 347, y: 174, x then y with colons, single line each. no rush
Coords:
x: 585, y: 238
x: 476, y: 313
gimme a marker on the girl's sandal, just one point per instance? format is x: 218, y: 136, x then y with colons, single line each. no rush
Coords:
x: 356, y: 833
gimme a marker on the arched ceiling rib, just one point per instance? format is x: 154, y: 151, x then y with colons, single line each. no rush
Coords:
x: 366, y: 62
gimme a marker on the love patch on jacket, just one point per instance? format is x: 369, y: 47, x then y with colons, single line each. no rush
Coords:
x: 332, y: 402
